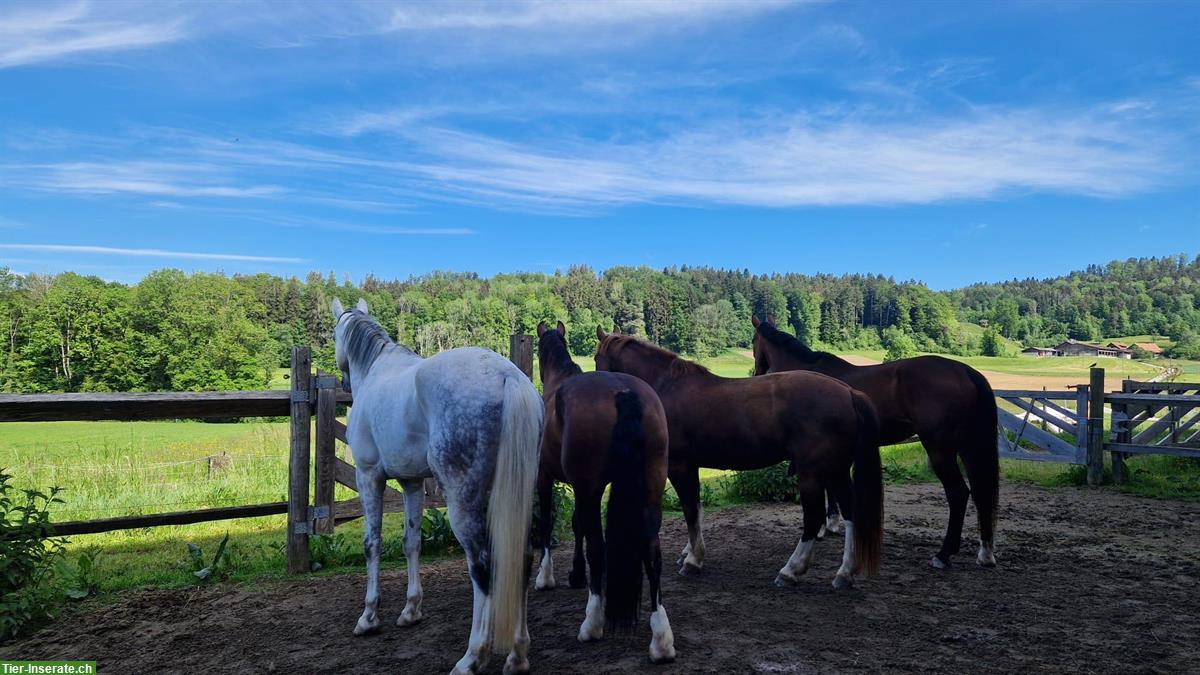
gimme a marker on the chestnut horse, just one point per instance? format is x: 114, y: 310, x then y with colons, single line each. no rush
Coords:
x: 605, y: 428
x: 947, y: 404
x: 819, y: 423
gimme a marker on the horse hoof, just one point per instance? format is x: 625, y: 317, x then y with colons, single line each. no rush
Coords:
x: 690, y: 570
x: 841, y: 583
x: 590, y: 634
x: 665, y: 657
x: 364, y: 627
x: 512, y: 665
x: 545, y: 587
x: 821, y: 532
x: 939, y: 564
x: 784, y: 581
x: 985, y: 560
x: 408, y: 618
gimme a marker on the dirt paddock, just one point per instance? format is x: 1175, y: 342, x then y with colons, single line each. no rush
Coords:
x: 1087, y: 581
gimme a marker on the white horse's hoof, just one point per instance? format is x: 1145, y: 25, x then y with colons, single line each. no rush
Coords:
x: 365, y: 626
x: 833, y: 524
x: 985, y: 558
x: 690, y: 569
x: 513, y: 665
x: 939, y: 564
x: 659, y: 656
x: 545, y: 586
x: 409, y: 617
x: 662, y: 642
x: 841, y: 583
x: 822, y: 532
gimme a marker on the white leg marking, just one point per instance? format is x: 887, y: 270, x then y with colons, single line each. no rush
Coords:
x: 592, y: 627
x: 545, y: 578
x: 694, y: 552
x: 662, y: 640
x: 370, y: 491
x: 797, y: 564
x: 845, y: 573
x: 986, y: 557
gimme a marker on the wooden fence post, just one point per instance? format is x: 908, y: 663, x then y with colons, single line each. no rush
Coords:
x: 325, y: 454
x: 520, y: 352
x: 1082, y: 426
x: 1122, y: 434
x: 1095, y: 444
x: 298, y: 463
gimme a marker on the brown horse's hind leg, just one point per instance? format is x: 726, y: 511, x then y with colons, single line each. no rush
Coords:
x: 686, y: 481
x: 578, y: 575
x: 587, y: 508
x: 545, y: 577
x: 812, y: 498
x: 945, y: 465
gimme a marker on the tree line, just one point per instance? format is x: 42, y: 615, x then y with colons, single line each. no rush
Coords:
x: 203, y: 331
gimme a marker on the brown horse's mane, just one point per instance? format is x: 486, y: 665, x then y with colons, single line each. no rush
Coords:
x: 678, y: 366
x: 792, y: 345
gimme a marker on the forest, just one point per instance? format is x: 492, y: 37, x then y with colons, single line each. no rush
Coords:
x: 207, y: 331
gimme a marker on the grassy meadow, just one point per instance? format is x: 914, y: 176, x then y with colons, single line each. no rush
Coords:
x: 124, y: 468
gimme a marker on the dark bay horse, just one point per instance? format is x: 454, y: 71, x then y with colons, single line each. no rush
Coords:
x: 604, y: 428
x: 819, y: 423
x: 948, y: 404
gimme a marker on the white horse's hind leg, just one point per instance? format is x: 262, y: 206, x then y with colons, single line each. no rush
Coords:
x: 370, y: 492
x: 845, y: 573
x: 479, y: 645
x: 797, y: 564
x: 414, y: 508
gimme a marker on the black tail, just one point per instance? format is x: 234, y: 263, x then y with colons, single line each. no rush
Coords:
x: 868, y: 488
x: 981, y: 458
x: 625, y: 534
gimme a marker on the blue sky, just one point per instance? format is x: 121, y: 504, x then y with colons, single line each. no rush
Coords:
x: 945, y: 142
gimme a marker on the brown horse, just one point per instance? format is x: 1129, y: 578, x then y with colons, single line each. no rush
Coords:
x: 605, y: 428
x: 947, y: 404
x: 819, y: 423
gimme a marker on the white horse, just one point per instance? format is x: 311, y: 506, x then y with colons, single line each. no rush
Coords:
x: 471, y: 419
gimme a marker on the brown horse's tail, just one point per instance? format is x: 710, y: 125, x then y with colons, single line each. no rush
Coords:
x: 868, y: 488
x: 625, y: 534
x: 981, y: 457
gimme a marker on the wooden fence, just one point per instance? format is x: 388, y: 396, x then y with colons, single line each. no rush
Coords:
x: 308, y: 397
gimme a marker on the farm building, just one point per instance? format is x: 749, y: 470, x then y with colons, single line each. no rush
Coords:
x: 1041, y: 351
x: 1076, y: 348
x: 1149, y: 347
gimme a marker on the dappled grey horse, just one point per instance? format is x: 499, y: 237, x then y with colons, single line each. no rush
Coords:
x: 471, y: 419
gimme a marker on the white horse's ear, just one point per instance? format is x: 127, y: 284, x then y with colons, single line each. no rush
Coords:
x: 362, y: 306
x: 562, y: 330
x: 600, y: 332
x: 336, y: 306
x: 541, y: 329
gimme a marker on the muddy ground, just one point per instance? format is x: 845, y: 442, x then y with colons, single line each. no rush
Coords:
x: 1087, y: 581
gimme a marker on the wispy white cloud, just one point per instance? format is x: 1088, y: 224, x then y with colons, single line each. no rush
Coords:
x: 546, y: 14
x: 148, y: 253
x: 145, y: 177
x: 45, y: 32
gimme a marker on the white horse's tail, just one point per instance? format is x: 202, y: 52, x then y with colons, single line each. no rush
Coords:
x: 510, y: 507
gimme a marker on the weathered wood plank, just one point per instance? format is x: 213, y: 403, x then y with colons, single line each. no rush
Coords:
x: 74, y: 527
x: 1095, y: 427
x: 1035, y: 393
x: 1070, y: 424
x: 143, y: 406
x: 324, y: 459
x: 1051, y: 443
x: 1188, y: 400
x: 520, y: 352
x: 298, y: 463
x: 343, y: 472
x: 1154, y: 449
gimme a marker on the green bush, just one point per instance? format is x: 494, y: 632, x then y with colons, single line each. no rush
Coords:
x: 29, y: 554
x: 772, y: 484
x: 564, y: 510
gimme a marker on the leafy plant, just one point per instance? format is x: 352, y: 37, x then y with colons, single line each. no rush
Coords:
x: 28, y: 556
x: 436, y: 535
x: 80, y: 581
x: 333, y: 550
x: 564, y: 509
x: 772, y: 484
x: 199, y: 569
